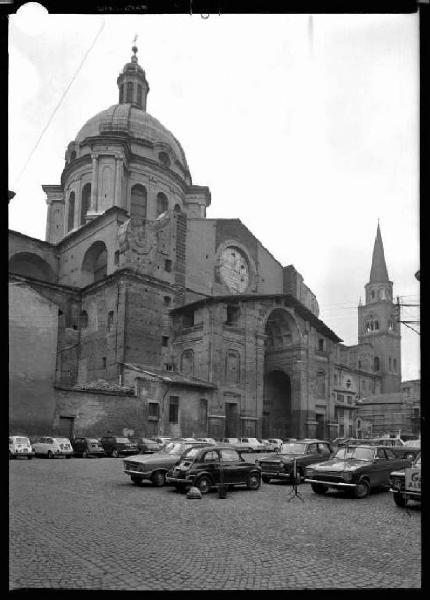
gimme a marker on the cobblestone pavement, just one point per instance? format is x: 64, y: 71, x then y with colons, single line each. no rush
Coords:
x: 81, y: 524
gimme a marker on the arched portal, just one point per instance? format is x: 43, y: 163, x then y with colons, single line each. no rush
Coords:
x: 31, y: 265
x: 277, y: 405
x: 94, y: 266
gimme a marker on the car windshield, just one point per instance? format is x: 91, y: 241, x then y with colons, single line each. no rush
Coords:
x: 356, y: 452
x: 62, y: 440
x: 122, y: 440
x: 22, y: 440
x: 293, y: 448
x: 191, y: 453
x: 174, y: 448
x: 93, y: 441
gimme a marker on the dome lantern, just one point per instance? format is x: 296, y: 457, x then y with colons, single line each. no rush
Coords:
x: 132, y: 84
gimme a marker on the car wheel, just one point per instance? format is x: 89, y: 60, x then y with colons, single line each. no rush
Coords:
x: 84, y: 454
x: 253, y: 482
x: 29, y: 457
x: 136, y: 480
x: 265, y: 478
x: 50, y: 455
x: 362, y: 489
x: 158, y: 479
x: 319, y: 488
x: 114, y: 453
x: 204, y: 484
x: 68, y: 456
x: 399, y: 500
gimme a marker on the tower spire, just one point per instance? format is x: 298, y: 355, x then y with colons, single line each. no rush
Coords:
x: 378, y: 271
x: 132, y: 83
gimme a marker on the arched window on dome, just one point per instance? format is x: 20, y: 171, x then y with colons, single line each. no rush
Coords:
x: 129, y: 98
x: 139, y: 95
x: 162, y: 204
x: 85, y: 201
x: 138, y: 201
x: 121, y: 93
x: 71, y: 213
x: 177, y: 208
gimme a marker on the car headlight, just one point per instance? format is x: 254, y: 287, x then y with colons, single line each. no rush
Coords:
x: 347, y: 475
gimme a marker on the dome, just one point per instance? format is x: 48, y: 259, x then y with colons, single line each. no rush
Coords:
x: 130, y: 120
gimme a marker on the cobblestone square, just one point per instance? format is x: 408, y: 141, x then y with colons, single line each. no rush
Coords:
x: 82, y: 524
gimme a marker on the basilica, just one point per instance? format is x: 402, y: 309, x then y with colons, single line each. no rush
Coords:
x: 139, y: 313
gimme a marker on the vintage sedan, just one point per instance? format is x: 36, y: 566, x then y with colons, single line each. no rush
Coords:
x: 20, y: 446
x: 114, y: 446
x: 153, y: 467
x: 406, y: 484
x: 50, y: 447
x: 301, y: 452
x: 277, y: 443
x: 357, y: 469
x: 207, y: 468
x: 87, y: 447
x: 145, y: 445
x: 236, y: 443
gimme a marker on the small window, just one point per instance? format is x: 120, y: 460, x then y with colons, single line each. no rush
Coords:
x: 153, y: 411
x: 84, y: 319
x: 121, y: 93
x: 229, y: 455
x: 168, y: 265
x: 372, y: 294
x: 321, y: 345
x: 389, y: 363
x: 139, y: 95
x: 164, y: 341
x: 173, y: 409
x: 349, y: 399
x: 129, y: 98
x: 348, y: 383
x: 164, y: 159
x: 203, y: 411
x: 116, y: 258
x: 376, y: 325
x: 162, y: 204
x: 110, y: 320
x: 233, y: 313
x: 188, y: 319
x: 395, y: 365
x: 376, y: 363
x: 167, y: 300
x: 104, y: 362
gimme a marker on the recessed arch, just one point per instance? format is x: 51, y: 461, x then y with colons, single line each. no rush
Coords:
x: 162, y: 204
x: 85, y: 202
x: 71, y: 212
x: 277, y: 414
x: 281, y: 330
x: 94, y: 265
x: 28, y: 264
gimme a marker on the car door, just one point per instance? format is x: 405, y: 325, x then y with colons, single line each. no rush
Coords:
x: 381, y: 468
x: 311, y: 456
x: 324, y: 451
x: 395, y: 462
x: 234, y: 467
x: 211, y: 463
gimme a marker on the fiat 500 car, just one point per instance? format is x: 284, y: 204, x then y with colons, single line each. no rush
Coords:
x: 406, y: 484
x: 115, y: 446
x: 50, y: 447
x: 357, y: 469
x: 302, y: 453
x: 206, y: 468
x: 86, y: 447
x: 153, y: 467
x: 20, y: 446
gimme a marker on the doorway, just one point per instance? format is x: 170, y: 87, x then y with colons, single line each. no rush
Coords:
x: 66, y: 427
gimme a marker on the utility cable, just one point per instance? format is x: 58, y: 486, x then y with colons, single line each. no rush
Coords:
x: 59, y: 102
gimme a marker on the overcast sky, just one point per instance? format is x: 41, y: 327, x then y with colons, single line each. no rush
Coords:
x: 305, y: 129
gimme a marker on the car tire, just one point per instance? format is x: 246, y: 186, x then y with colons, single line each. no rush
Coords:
x: 114, y: 453
x: 265, y: 479
x: 84, y: 454
x: 362, y: 489
x: 399, y: 500
x: 158, y: 479
x: 29, y: 457
x: 254, y: 481
x: 68, y: 456
x: 319, y: 488
x: 50, y: 455
x: 136, y: 480
x: 204, y: 484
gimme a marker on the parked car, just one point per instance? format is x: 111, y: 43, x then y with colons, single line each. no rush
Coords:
x: 162, y: 440
x: 268, y: 446
x: 115, y: 446
x: 236, y: 443
x: 254, y: 444
x: 20, y: 446
x: 304, y: 452
x: 154, y: 467
x: 85, y: 447
x: 277, y: 443
x: 50, y: 447
x: 145, y: 445
x: 413, y: 443
x: 406, y: 484
x: 207, y: 440
x: 355, y: 468
x: 201, y: 467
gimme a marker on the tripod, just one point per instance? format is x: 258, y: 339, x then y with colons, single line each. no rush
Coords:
x: 294, y: 491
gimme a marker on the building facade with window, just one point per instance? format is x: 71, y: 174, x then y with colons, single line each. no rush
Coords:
x: 190, y: 321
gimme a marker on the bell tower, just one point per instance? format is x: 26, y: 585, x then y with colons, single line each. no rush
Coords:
x: 378, y: 321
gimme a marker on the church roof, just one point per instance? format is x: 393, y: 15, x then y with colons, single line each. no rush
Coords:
x: 378, y: 271
x: 132, y: 121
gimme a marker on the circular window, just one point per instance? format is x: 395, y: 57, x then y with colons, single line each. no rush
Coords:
x: 234, y: 269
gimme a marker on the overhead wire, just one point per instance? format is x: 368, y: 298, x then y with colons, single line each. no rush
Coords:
x: 59, y: 103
